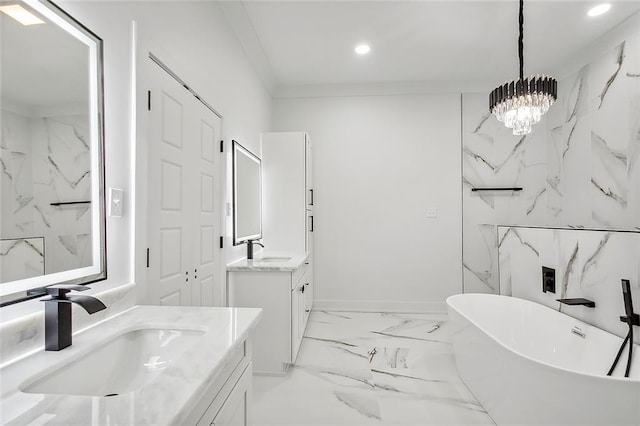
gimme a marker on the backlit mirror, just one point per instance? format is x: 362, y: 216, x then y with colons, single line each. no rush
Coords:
x: 52, y: 223
x: 247, y: 195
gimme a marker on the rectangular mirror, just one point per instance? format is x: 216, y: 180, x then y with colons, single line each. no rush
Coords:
x: 52, y: 220
x: 247, y: 195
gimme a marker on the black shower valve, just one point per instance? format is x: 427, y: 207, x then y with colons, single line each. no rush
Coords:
x: 548, y: 279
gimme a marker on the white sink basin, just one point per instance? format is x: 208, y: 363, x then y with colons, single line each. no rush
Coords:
x: 123, y: 364
x: 273, y: 259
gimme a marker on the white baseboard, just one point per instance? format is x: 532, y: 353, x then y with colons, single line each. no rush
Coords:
x: 379, y: 306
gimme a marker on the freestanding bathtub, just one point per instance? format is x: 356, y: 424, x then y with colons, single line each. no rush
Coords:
x: 531, y: 365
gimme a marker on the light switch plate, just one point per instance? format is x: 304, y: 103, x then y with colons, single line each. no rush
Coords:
x: 432, y: 212
x: 116, y: 200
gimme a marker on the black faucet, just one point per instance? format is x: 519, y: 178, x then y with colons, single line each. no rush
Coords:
x: 578, y: 301
x: 250, y: 244
x: 57, y: 314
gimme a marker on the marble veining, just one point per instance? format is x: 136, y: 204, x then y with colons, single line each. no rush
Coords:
x: 619, y: 60
x: 568, y: 269
x: 592, y: 261
x: 357, y: 368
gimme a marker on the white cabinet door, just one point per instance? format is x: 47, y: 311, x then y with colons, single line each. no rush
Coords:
x: 309, y: 231
x: 183, y: 190
x: 271, y: 291
x: 308, y: 293
x: 235, y: 411
x: 308, y: 171
x: 297, y: 319
x: 285, y: 191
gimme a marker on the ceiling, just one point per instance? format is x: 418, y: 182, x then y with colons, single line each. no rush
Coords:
x: 310, y: 43
x: 43, y: 68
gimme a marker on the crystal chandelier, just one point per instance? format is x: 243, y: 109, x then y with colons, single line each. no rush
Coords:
x: 520, y: 104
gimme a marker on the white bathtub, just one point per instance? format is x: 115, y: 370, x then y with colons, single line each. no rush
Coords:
x: 525, y: 366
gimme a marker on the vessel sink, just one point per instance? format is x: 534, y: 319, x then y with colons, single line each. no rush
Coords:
x: 274, y: 259
x: 117, y: 366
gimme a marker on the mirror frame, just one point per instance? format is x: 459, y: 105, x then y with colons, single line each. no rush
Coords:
x: 236, y: 150
x: 16, y: 291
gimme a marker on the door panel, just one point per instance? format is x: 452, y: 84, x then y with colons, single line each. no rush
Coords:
x: 170, y: 252
x: 172, y: 115
x: 208, y: 142
x: 206, y: 191
x: 170, y: 186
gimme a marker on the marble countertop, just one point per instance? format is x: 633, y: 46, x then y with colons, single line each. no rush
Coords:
x: 168, y: 399
x: 258, y: 265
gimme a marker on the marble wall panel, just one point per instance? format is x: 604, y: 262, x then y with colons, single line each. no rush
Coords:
x: 611, y: 138
x: 47, y: 160
x: 21, y: 258
x: 15, y: 176
x: 579, y: 167
x: 588, y: 264
x: 494, y: 157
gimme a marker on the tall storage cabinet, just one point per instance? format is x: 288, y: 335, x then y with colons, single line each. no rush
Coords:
x: 288, y: 223
x: 287, y: 192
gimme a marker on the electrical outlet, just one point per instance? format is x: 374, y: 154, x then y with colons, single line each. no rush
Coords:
x: 432, y: 213
x: 116, y: 200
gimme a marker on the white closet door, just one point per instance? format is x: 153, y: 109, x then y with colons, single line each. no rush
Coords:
x: 183, y: 221
x: 206, y: 189
x: 169, y: 239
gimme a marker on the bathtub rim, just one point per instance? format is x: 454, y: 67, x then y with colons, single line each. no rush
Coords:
x: 537, y: 361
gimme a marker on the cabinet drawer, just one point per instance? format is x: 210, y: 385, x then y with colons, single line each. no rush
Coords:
x: 234, y: 366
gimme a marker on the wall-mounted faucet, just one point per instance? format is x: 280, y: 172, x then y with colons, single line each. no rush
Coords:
x: 250, y: 244
x: 57, y: 314
x: 578, y: 301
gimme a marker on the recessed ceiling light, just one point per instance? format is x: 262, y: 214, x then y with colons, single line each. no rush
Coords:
x: 362, y: 49
x: 599, y: 9
x: 21, y: 14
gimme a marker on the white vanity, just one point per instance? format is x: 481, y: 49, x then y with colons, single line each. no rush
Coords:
x: 280, y: 280
x: 147, y: 365
x: 283, y: 286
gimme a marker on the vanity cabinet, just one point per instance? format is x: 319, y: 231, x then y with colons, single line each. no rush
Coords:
x: 285, y: 295
x: 227, y: 399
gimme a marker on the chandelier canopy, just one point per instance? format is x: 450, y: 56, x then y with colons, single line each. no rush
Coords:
x: 521, y: 103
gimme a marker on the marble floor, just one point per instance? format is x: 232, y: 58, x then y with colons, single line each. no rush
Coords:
x: 370, y: 369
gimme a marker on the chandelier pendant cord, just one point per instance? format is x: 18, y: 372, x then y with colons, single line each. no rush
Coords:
x: 520, y: 40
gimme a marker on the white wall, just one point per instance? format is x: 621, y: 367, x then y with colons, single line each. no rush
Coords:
x: 379, y: 163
